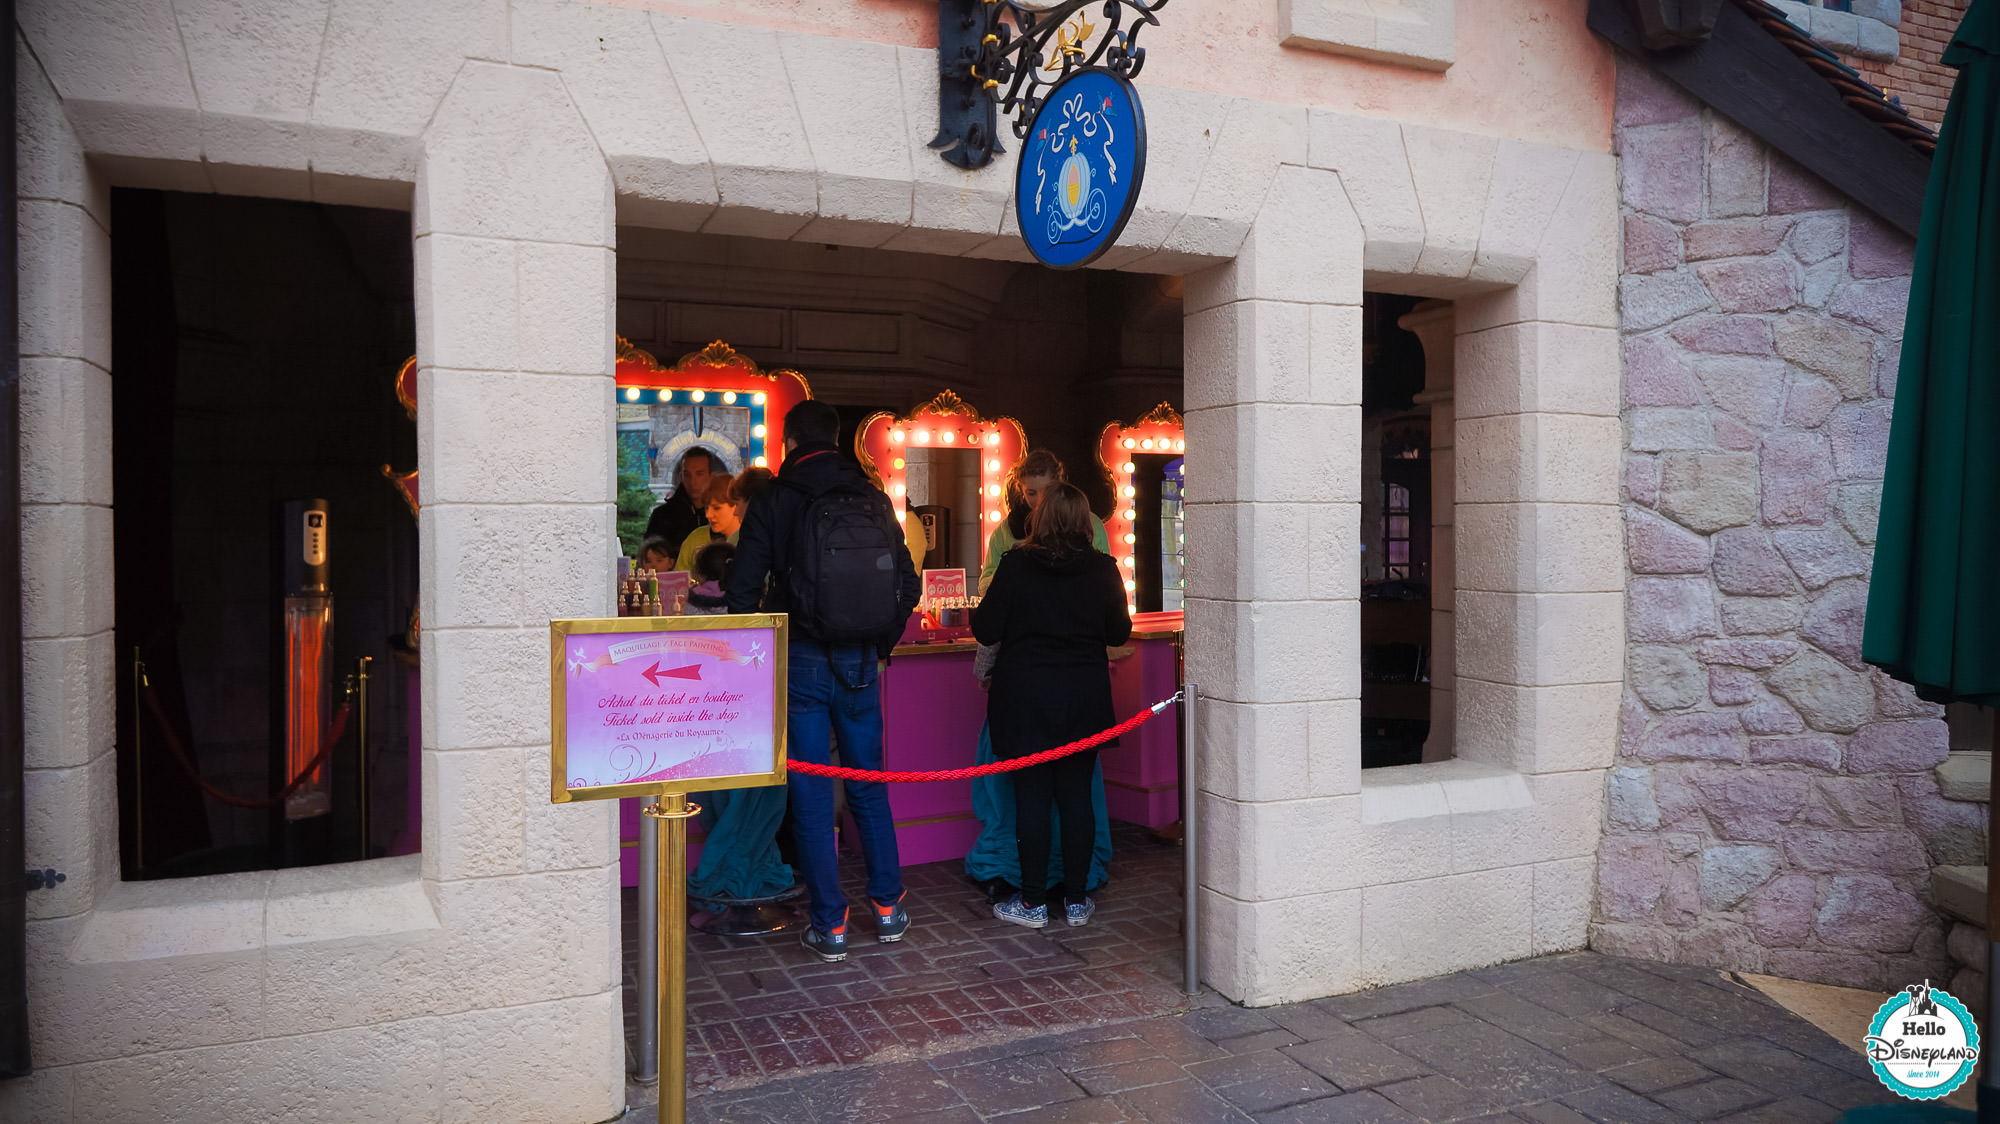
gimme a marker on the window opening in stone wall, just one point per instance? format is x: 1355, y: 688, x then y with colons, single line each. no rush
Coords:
x: 1396, y: 539
x: 259, y: 551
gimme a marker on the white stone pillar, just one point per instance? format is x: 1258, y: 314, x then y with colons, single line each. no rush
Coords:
x: 1431, y: 322
x: 64, y: 217
x: 1273, y: 386
x: 515, y: 285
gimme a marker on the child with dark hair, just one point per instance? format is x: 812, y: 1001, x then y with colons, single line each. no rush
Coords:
x: 711, y: 567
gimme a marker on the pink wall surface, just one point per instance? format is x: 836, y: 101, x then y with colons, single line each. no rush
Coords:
x: 1528, y: 70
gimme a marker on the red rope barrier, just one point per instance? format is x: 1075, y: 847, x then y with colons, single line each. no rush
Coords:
x: 841, y: 772
x: 180, y: 755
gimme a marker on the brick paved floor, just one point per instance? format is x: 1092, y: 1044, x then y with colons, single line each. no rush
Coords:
x: 762, y: 1007
x: 1557, y: 1040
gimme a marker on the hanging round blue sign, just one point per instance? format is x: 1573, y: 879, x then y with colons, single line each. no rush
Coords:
x: 1080, y: 169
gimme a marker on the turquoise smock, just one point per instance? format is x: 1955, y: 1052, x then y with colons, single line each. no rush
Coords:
x: 739, y: 859
x: 995, y: 854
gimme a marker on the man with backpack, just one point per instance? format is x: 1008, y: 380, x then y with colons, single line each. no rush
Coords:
x: 829, y: 544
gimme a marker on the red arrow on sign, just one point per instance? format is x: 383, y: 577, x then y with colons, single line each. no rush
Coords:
x: 654, y: 674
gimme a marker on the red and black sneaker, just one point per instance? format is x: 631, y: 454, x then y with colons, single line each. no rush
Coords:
x: 830, y: 947
x: 890, y: 920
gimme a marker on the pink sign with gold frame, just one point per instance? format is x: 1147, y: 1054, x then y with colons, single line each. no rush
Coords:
x: 642, y: 706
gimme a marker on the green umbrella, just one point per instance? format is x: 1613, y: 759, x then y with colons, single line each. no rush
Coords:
x: 1934, y: 598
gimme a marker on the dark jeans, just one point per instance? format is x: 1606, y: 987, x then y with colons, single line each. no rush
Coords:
x: 1065, y: 783
x: 834, y: 694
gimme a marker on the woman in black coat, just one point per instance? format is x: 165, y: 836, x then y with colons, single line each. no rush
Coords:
x: 1055, y: 605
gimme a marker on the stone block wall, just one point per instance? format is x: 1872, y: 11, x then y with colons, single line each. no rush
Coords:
x: 1773, y: 808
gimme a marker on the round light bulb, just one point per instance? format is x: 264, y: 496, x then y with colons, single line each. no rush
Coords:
x: 896, y: 435
x: 1130, y: 539
x: 1131, y: 610
x: 758, y: 431
x: 729, y: 398
x: 993, y: 490
x: 900, y: 490
x: 1146, y: 444
x: 994, y: 516
x: 698, y: 395
x: 1130, y: 562
x: 631, y: 394
x: 993, y: 438
x: 1131, y: 514
x: 897, y: 463
x: 992, y: 466
x: 666, y: 396
x: 758, y: 398
x: 762, y: 462
x: 1130, y: 585
x: 1130, y: 491
x: 901, y: 515
x: 1131, y: 444
x: 948, y: 436
x: 1128, y: 468
x: 1180, y: 446
x: 923, y: 437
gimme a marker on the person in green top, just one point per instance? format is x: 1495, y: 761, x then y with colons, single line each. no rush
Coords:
x: 994, y: 861
x: 1039, y: 471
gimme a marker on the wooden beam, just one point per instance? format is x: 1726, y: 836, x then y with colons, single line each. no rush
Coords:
x: 1751, y: 78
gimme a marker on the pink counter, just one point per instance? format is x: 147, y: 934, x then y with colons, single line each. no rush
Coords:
x: 932, y: 710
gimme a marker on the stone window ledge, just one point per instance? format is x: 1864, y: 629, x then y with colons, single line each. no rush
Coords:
x: 1414, y: 33
x: 1441, y: 788
x: 1868, y: 31
x: 231, y: 913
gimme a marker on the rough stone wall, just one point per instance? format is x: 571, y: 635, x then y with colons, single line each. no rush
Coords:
x: 1773, y: 808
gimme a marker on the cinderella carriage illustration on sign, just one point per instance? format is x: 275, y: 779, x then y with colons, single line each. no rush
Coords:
x: 1080, y: 169
x: 1077, y: 203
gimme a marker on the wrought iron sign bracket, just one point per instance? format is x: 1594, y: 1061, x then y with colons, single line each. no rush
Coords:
x: 1002, y: 55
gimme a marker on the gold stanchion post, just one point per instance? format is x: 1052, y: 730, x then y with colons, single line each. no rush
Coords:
x: 673, y: 810
x: 361, y: 744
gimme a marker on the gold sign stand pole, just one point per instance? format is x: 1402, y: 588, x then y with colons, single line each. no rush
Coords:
x: 673, y: 810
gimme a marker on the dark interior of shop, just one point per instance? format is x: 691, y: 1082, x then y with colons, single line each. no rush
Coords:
x: 257, y: 343
x: 884, y: 331
x: 1395, y: 539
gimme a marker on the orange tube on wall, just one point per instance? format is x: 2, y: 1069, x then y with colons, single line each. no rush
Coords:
x: 308, y: 700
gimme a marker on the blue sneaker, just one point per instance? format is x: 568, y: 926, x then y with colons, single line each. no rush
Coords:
x: 890, y: 920
x: 1021, y: 913
x: 830, y: 947
x: 1077, y: 913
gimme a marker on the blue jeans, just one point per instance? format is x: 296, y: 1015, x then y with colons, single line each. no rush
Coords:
x: 835, y: 695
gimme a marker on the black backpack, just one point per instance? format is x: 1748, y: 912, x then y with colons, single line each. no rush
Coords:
x: 841, y: 578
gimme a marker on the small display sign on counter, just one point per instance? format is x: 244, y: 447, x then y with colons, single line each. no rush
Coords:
x: 674, y: 588
x: 653, y: 705
x: 944, y: 585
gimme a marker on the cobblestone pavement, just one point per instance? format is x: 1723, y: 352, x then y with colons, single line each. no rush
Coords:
x: 762, y: 1007
x: 1557, y: 1040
